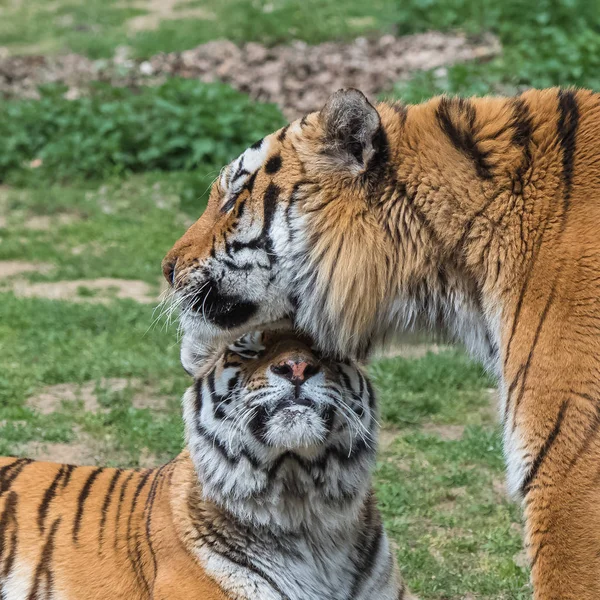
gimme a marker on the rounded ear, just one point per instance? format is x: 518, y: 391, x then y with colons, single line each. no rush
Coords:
x: 351, y: 124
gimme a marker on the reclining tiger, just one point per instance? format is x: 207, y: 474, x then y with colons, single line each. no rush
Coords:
x: 476, y: 217
x: 271, y: 500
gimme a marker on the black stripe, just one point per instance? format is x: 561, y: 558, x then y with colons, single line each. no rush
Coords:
x: 67, y: 476
x: 283, y: 133
x: 537, y: 555
x: 221, y: 545
x: 198, y: 400
x: 10, y: 472
x: 273, y: 164
x: 522, y: 124
x: 49, y: 495
x: 83, y: 495
x: 44, y: 566
x: 368, y: 546
x: 106, y: 504
x: 134, y: 552
x: 269, y: 206
x: 568, y: 123
x: 463, y: 137
x: 401, y: 110
x: 549, y: 441
x: 591, y: 434
x: 149, y: 510
x: 567, y: 134
x: 270, y: 199
x: 9, y: 515
x: 120, y: 506
x: 534, y: 343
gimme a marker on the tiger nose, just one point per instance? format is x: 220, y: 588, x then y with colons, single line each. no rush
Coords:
x: 296, y: 371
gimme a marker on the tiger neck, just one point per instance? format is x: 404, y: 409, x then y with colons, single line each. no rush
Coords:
x: 287, y: 494
x: 455, y: 213
x: 232, y: 551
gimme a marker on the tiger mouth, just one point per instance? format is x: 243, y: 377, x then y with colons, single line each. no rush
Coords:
x: 291, y: 417
x: 223, y: 310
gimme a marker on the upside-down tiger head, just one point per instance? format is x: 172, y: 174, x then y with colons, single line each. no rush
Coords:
x: 273, y: 425
x: 297, y: 198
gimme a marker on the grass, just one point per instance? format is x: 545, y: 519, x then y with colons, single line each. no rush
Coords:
x: 440, y: 474
x: 454, y: 531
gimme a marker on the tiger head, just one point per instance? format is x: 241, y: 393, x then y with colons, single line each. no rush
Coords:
x: 278, y: 432
x: 290, y: 231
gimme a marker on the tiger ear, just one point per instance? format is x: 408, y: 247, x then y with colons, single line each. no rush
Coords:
x: 351, y: 125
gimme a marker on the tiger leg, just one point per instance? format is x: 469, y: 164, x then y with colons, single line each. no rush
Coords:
x: 553, y: 453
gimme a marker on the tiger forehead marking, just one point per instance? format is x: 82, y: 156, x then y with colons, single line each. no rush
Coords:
x: 237, y: 175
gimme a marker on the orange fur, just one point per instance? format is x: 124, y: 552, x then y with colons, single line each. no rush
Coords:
x: 72, y: 549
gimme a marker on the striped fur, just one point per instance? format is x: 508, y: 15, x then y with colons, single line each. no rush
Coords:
x: 475, y: 217
x: 270, y: 501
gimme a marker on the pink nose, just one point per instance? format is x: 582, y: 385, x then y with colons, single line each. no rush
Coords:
x: 296, y: 371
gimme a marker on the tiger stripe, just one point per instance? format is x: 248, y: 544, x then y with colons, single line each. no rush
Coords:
x: 106, y: 504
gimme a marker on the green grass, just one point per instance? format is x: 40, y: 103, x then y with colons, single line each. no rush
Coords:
x: 440, y: 473
x: 454, y: 532
x: 181, y: 125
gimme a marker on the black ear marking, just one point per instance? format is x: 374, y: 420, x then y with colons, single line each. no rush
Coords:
x: 351, y: 123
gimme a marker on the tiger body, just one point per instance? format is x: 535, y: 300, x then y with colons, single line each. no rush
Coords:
x: 478, y: 218
x: 275, y: 506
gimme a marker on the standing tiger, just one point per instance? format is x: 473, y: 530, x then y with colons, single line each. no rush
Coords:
x: 477, y: 217
x: 271, y: 500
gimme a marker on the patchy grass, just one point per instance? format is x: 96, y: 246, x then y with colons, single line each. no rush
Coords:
x: 440, y: 474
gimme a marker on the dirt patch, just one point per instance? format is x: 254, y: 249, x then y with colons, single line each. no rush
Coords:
x: 148, y: 460
x: 164, y: 10
x: 412, y: 351
x: 448, y: 504
x: 83, y: 450
x: 297, y: 77
x: 50, y: 398
x: 78, y: 453
x: 387, y: 437
x: 499, y: 488
x: 148, y: 399
x: 10, y: 268
x: 98, y: 291
x: 447, y: 433
x: 520, y: 559
x: 46, y: 223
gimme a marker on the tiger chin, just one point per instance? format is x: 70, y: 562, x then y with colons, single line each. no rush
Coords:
x: 271, y: 500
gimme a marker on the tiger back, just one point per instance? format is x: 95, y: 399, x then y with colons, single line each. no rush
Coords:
x: 271, y: 500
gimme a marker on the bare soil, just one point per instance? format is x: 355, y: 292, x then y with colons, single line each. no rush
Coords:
x: 447, y: 433
x: 51, y: 398
x: 297, y: 77
x: 164, y: 10
x: 11, y: 268
x: 97, y: 291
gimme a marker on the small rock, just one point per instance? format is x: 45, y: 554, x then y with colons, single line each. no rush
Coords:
x: 146, y: 68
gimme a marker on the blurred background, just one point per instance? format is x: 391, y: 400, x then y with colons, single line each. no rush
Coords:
x: 116, y: 115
